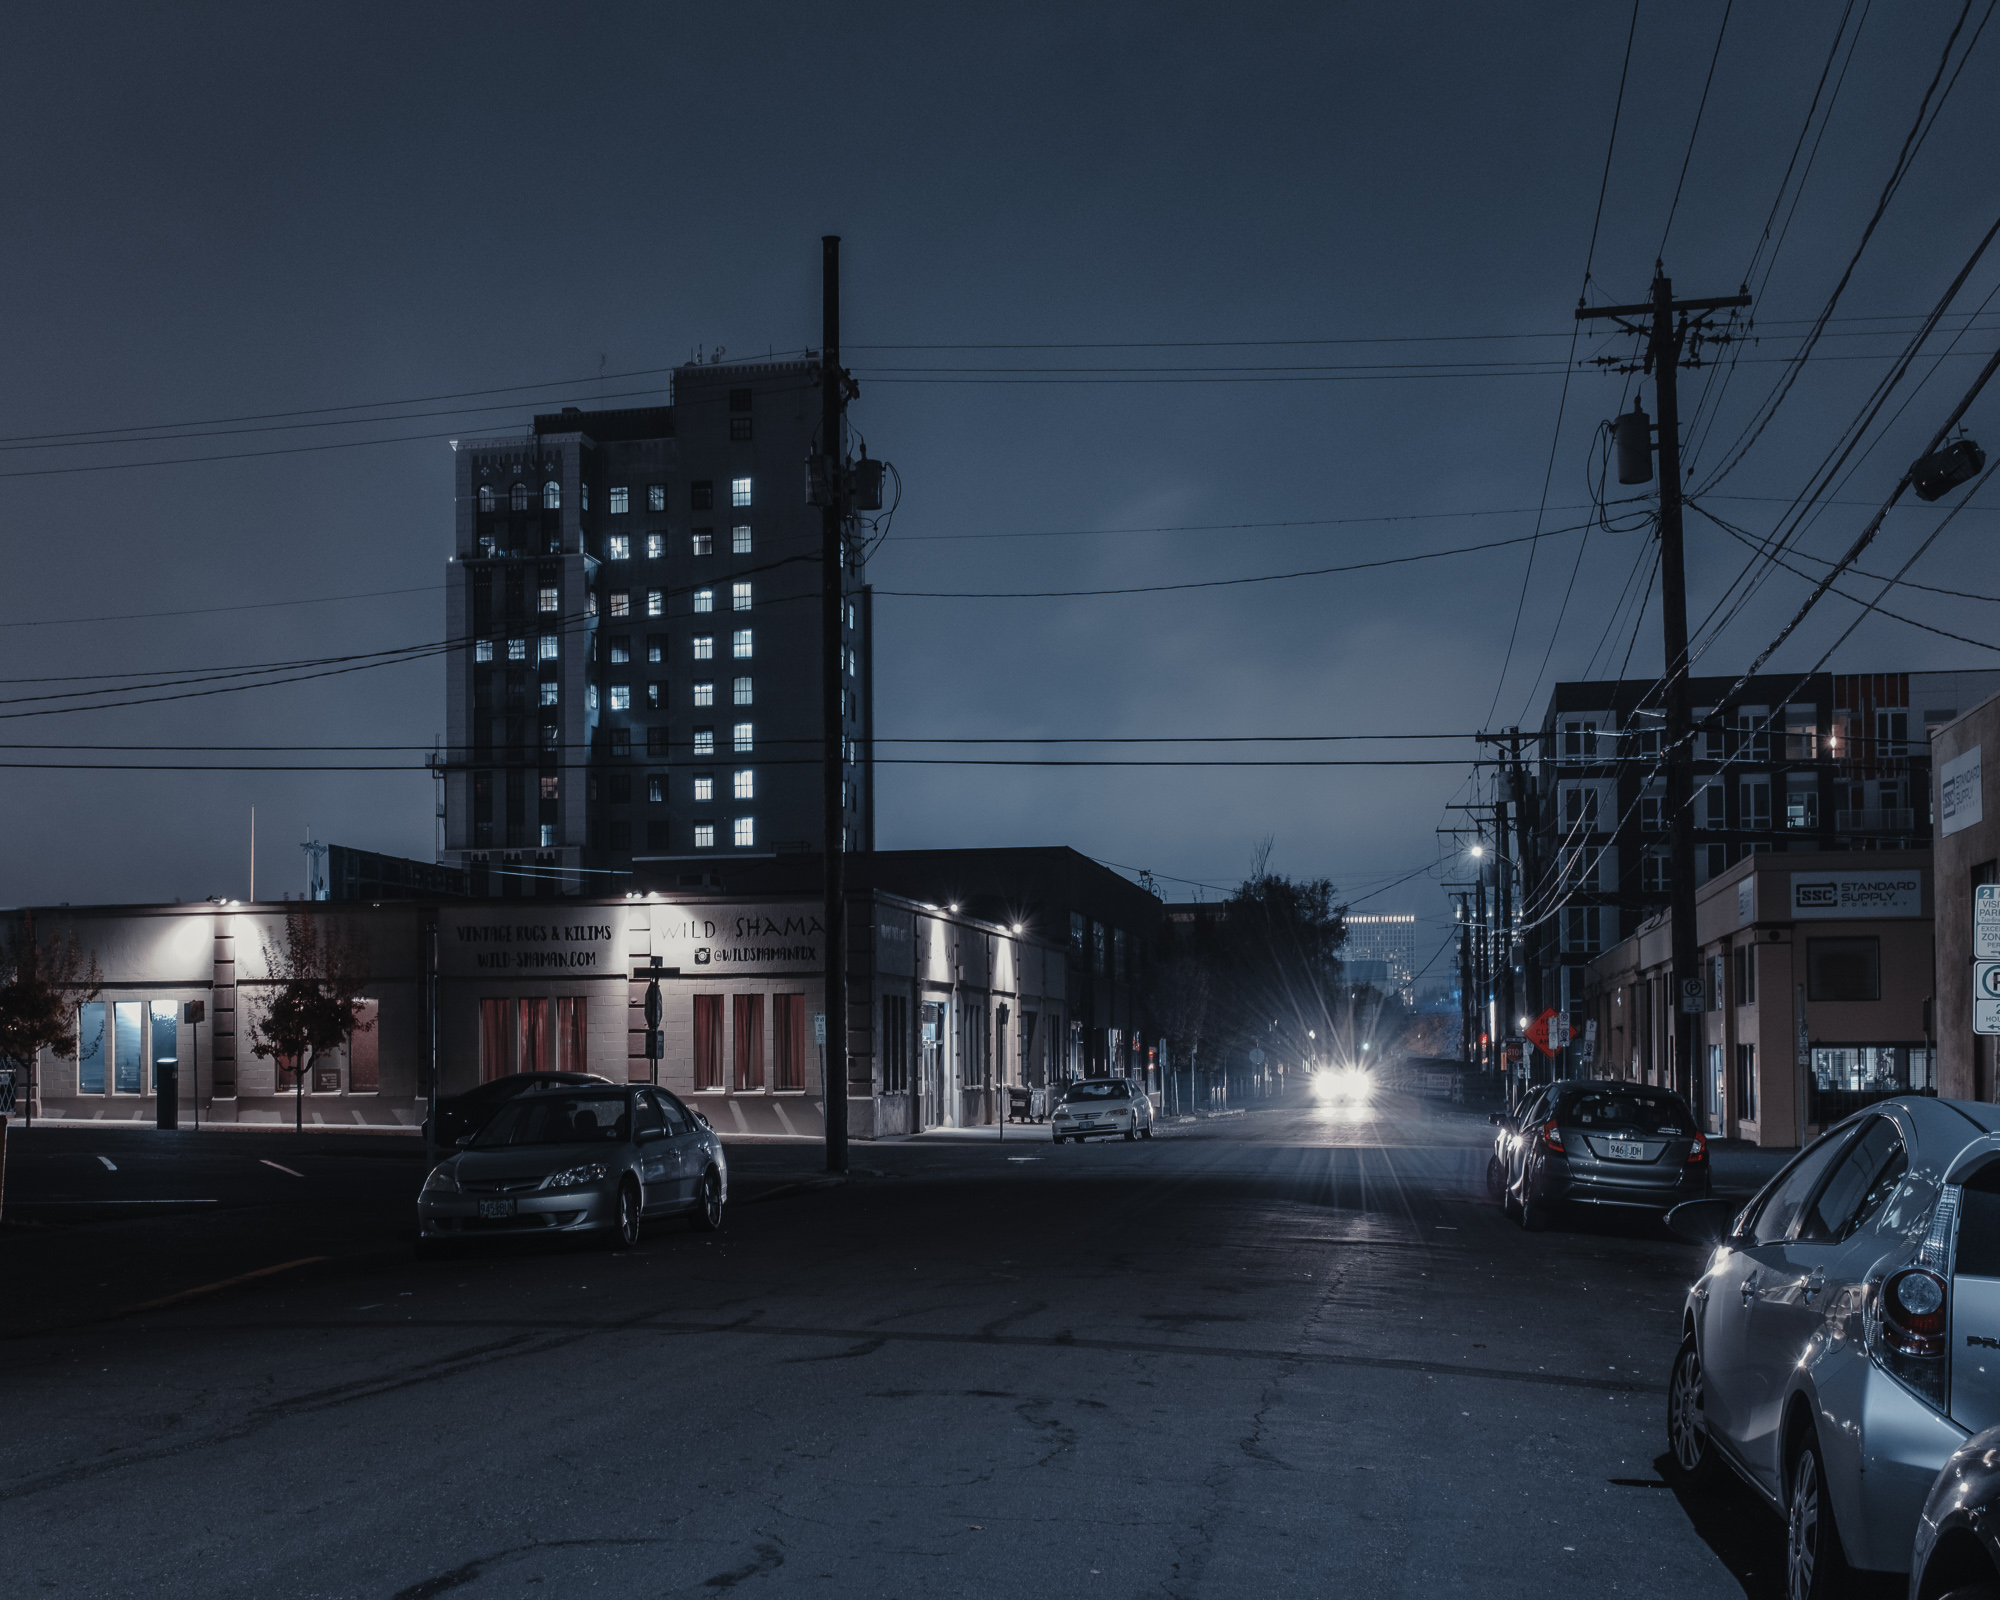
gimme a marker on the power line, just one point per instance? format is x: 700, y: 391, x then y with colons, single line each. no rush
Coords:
x: 1695, y: 131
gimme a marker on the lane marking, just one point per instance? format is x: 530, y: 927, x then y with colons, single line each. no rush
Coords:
x: 281, y: 1167
x: 222, y: 1283
x: 109, y: 1164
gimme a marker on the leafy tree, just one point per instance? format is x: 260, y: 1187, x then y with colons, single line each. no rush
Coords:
x: 42, y: 982
x: 318, y: 975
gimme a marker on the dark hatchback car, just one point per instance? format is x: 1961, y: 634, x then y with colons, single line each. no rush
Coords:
x: 459, y: 1115
x: 1603, y: 1143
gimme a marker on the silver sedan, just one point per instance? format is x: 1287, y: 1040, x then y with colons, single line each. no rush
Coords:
x: 1102, y: 1107
x: 1837, y: 1350
x: 569, y: 1160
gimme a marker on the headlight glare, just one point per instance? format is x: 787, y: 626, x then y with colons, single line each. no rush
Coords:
x: 576, y: 1177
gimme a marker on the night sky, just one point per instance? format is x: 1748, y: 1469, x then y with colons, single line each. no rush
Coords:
x: 230, y: 212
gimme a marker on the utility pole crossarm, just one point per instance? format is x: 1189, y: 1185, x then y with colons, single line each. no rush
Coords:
x: 1715, y: 303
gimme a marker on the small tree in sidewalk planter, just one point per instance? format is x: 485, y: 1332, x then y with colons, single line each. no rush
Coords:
x: 43, y: 980
x: 317, y: 978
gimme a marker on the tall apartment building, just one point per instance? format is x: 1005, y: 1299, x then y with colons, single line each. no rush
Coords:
x: 1384, y: 941
x: 634, y: 604
x: 1838, y: 761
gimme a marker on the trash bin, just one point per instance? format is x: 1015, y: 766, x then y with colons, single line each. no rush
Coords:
x: 167, y: 1090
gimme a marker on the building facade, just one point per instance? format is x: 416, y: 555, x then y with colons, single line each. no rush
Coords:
x: 948, y: 1010
x: 633, y: 604
x: 1967, y: 886
x: 1827, y: 762
x: 1381, y: 948
x: 1817, y: 983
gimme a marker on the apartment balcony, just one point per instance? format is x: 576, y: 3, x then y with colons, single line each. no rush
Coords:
x: 1877, y: 819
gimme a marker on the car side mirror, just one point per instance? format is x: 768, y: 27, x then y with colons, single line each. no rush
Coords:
x: 461, y: 1141
x: 1703, y: 1222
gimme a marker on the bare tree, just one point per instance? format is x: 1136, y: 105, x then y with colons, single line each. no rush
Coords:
x: 42, y: 982
x: 319, y: 973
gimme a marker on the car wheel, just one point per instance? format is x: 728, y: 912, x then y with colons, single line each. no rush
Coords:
x: 1687, y: 1421
x: 624, y: 1230
x: 1146, y: 1132
x: 707, y: 1216
x: 1814, y: 1566
x: 1496, y: 1179
x: 1131, y: 1134
x: 1533, y: 1213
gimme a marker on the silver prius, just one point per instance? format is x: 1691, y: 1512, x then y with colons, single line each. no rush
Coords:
x: 1102, y: 1107
x: 1844, y: 1339
x: 570, y: 1160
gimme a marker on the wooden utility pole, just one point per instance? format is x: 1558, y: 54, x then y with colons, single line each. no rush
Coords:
x: 1666, y: 341
x: 833, y: 661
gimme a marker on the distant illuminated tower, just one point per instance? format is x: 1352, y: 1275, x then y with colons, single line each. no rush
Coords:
x: 1390, y: 939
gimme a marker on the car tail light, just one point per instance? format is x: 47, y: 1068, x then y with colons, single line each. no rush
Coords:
x: 1552, y: 1136
x: 1698, y: 1151
x: 1915, y: 1309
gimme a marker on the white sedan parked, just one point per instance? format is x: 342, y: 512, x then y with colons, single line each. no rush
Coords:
x: 1103, y: 1106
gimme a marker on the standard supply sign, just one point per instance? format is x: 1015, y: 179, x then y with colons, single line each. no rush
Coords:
x: 1857, y: 894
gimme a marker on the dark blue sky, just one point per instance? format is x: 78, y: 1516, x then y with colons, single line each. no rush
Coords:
x: 217, y: 211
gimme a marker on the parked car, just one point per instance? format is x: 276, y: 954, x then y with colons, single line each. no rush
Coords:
x: 567, y: 1159
x: 1606, y: 1143
x: 1844, y: 1339
x: 462, y: 1114
x: 1958, y: 1537
x: 1507, y: 1125
x: 1094, y: 1106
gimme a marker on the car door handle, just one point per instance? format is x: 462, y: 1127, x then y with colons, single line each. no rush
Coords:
x: 1749, y: 1287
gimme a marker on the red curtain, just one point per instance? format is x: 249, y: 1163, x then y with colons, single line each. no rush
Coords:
x: 749, y: 1041
x: 708, y: 1041
x: 789, y: 1046
x: 493, y: 1039
x: 537, y: 1053
x: 364, y: 1050
x: 570, y: 1018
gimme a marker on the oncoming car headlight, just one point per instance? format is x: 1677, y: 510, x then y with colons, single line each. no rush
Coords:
x: 441, y: 1181
x: 576, y: 1177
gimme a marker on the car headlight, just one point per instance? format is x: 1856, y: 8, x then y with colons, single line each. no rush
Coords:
x: 441, y: 1181
x: 576, y: 1177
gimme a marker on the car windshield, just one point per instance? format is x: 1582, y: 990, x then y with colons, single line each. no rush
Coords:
x: 1096, y: 1091
x: 1638, y: 1109
x: 556, y: 1119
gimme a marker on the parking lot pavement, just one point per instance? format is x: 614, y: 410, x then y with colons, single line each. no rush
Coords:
x: 1291, y: 1352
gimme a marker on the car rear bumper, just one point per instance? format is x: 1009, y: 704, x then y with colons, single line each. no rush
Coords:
x: 1594, y: 1185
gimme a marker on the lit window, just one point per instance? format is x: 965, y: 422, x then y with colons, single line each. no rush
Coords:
x: 743, y: 695
x: 850, y: 618
x: 704, y: 786
x: 551, y: 737
x: 482, y: 650
x: 704, y: 741
x: 585, y: 495
x: 548, y: 835
x: 549, y: 693
x: 590, y: 697
x: 702, y: 542
x: 745, y: 739
x: 621, y: 648
x: 656, y: 546
x: 621, y: 500
x: 704, y: 647
x: 744, y: 785
x: 655, y: 696
x: 487, y: 545
x: 704, y: 836
x: 704, y: 694
x: 551, y: 786
x: 621, y: 603
x: 739, y: 643
x: 656, y: 497
x: 590, y: 604
x: 656, y: 603
x: 517, y: 649
x: 739, y: 597
x: 552, y: 496
x: 488, y: 500
x: 546, y: 647
x: 519, y: 497
x: 656, y: 648
x: 656, y: 788
x: 744, y: 834
x: 739, y: 491
x: 621, y: 697
x: 620, y: 547
x: 548, y: 598
x: 704, y: 600
x: 739, y: 541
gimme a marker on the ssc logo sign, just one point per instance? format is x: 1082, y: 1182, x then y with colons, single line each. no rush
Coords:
x: 1815, y: 894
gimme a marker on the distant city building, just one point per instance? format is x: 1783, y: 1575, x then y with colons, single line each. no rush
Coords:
x: 1380, y: 948
x: 634, y: 604
x: 364, y: 875
x: 1823, y: 762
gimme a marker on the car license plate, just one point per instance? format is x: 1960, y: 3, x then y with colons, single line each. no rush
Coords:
x: 496, y: 1208
x: 1625, y: 1150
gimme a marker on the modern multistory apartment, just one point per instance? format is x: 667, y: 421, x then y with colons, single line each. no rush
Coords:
x: 635, y: 675
x: 1381, y: 948
x: 1831, y: 761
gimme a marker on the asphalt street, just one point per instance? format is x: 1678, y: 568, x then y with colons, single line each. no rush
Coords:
x: 1292, y: 1352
